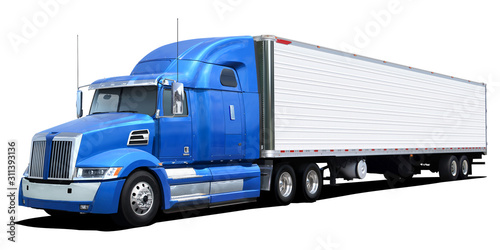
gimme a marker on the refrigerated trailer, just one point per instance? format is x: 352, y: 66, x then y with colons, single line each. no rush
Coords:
x: 218, y: 121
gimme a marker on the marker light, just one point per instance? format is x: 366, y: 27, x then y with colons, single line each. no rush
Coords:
x: 282, y: 41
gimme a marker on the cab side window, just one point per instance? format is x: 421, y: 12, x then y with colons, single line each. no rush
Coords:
x: 228, y: 78
x: 167, y: 103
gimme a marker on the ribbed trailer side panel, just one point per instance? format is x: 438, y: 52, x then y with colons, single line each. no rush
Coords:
x: 330, y: 102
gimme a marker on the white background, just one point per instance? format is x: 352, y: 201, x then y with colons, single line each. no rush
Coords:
x: 450, y: 37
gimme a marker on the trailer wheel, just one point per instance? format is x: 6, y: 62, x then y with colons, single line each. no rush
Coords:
x: 310, y: 181
x: 284, y: 184
x: 139, y: 200
x: 448, y: 168
x: 463, y: 167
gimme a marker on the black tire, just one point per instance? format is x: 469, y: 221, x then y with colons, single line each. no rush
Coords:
x: 60, y: 214
x: 463, y: 167
x: 309, y: 182
x: 448, y: 168
x: 284, y: 193
x: 136, y: 212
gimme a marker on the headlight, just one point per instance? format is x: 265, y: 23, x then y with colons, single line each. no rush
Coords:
x: 97, y: 173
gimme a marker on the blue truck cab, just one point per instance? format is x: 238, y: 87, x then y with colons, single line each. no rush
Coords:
x: 179, y: 132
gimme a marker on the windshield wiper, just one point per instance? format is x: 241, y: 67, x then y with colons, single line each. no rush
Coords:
x: 99, y: 112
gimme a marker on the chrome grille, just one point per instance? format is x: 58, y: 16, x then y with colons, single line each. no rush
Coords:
x: 37, y: 159
x: 60, y: 159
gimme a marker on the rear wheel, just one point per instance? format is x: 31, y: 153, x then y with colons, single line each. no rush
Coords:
x: 310, y: 182
x: 284, y: 184
x: 139, y: 200
x: 464, y: 167
x: 448, y: 168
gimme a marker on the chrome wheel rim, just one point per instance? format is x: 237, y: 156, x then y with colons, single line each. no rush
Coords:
x: 312, y: 182
x: 465, y: 167
x: 285, y: 184
x: 141, y: 198
x: 453, y: 168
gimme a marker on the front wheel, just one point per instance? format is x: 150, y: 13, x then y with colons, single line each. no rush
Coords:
x: 139, y: 200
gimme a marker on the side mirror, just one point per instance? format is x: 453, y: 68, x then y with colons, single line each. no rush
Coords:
x: 79, y: 110
x: 177, y: 98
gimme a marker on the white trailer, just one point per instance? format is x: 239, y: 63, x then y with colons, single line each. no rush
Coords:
x: 358, y: 113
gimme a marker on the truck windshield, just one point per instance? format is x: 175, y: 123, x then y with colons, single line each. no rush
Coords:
x: 140, y: 99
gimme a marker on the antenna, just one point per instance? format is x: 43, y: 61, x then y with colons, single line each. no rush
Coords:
x: 177, y: 78
x: 77, y: 66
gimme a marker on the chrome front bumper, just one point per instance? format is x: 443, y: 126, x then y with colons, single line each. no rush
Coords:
x: 60, y: 192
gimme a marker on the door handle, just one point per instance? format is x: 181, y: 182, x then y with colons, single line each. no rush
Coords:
x: 231, y: 112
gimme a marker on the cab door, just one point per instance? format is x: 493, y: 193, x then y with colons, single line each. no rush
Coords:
x: 175, y: 131
x: 233, y: 123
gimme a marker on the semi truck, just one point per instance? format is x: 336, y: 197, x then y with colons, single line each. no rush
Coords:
x: 218, y: 121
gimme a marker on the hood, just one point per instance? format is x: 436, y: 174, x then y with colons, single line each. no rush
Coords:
x: 105, y: 121
x: 103, y: 132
